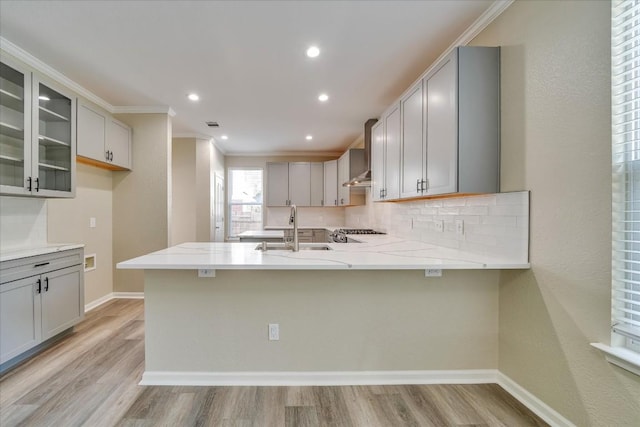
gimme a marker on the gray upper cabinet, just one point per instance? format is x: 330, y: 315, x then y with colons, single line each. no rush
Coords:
x: 463, y: 123
x: 317, y: 184
x: 350, y: 165
x: 413, y: 142
x: 392, y: 130
x: 278, y: 184
x: 331, y: 183
x: 450, y: 130
x: 102, y: 140
x: 385, y: 152
x: 377, y: 161
x: 37, y: 134
x: 300, y: 184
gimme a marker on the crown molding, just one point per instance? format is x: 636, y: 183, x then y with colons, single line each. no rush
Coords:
x: 52, y: 73
x: 143, y: 109
x: 287, y: 154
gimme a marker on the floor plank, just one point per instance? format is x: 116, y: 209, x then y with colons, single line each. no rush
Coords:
x: 90, y: 378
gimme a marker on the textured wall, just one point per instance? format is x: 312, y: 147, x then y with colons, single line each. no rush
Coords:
x: 68, y: 221
x: 329, y: 320
x: 556, y: 139
x: 142, y: 197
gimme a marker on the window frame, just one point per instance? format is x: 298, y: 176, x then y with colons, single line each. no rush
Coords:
x: 230, y: 204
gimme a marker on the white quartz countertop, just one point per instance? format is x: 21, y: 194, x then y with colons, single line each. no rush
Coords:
x: 377, y: 252
x: 17, y: 253
x: 263, y: 234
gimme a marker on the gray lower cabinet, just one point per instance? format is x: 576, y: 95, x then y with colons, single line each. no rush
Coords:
x: 36, y: 307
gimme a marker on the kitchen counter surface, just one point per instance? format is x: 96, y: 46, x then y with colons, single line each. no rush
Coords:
x: 17, y: 253
x: 376, y: 252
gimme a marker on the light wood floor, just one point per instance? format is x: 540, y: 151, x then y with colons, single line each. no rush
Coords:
x: 90, y: 379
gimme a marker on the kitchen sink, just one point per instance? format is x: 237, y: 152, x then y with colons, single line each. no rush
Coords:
x: 283, y: 247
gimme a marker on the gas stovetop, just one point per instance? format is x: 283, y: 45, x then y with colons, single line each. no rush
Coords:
x: 356, y: 231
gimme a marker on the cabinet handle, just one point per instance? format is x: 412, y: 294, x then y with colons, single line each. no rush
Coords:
x: 342, y: 201
x: 106, y: 155
x: 42, y: 264
x: 111, y: 156
x: 418, y: 188
x: 335, y: 202
x: 46, y: 284
x: 37, y: 184
x: 29, y: 184
x: 39, y: 288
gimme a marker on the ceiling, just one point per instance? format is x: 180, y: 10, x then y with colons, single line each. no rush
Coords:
x: 245, y: 59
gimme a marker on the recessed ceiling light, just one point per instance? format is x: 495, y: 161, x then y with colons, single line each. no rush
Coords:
x: 224, y: 137
x: 193, y: 96
x: 44, y: 98
x: 323, y: 97
x: 313, y: 51
x: 308, y: 137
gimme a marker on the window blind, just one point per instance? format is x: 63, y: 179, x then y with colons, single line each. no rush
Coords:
x: 625, y: 106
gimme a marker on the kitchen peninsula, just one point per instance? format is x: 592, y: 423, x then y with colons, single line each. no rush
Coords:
x: 358, y: 312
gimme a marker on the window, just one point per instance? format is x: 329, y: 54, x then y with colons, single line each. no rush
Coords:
x: 625, y: 105
x: 245, y: 200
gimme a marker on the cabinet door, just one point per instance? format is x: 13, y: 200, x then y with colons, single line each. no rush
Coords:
x: 118, y: 144
x: 331, y: 183
x: 62, y: 300
x: 317, y: 184
x: 392, y: 154
x: 300, y: 183
x: 92, y: 133
x: 277, y: 184
x: 377, y: 161
x: 343, y: 176
x: 54, y: 140
x: 442, y: 137
x: 411, y: 174
x: 19, y: 317
x: 15, y: 128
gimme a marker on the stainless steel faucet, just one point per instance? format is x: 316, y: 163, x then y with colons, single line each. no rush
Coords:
x: 293, y: 219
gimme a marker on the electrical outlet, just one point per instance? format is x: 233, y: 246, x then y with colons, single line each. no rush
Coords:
x: 439, y: 223
x: 433, y: 272
x: 459, y: 226
x: 206, y: 272
x: 274, y: 332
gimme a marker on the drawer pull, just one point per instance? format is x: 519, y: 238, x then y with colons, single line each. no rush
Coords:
x: 42, y: 264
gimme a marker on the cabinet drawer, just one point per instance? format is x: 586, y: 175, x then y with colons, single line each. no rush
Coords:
x: 31, y: 266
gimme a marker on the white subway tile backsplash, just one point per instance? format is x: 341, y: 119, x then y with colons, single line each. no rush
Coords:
x: 495, y: 224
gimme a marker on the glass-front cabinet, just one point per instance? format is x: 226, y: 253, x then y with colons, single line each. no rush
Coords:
x: 37, y: 135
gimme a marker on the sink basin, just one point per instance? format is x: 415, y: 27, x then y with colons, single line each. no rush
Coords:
x: 303, y: 247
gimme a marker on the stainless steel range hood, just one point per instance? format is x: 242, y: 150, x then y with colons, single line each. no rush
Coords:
x: 364, y: 179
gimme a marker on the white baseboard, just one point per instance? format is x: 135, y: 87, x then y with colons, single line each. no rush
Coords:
x: 113, y: 295
x: 536, y: 405
x: 129, y: 295
x: 319, y: 378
